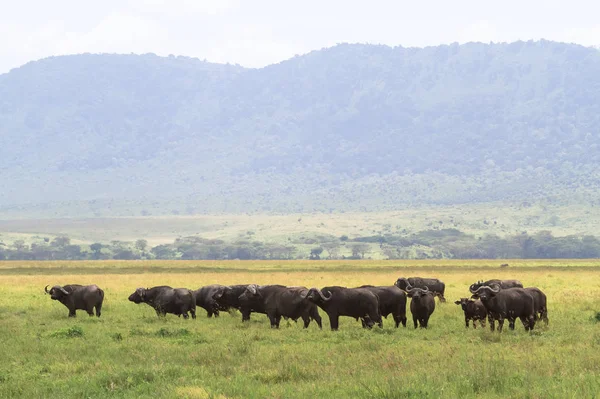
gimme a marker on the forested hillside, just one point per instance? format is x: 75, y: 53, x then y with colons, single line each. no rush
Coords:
x: 353, y: 127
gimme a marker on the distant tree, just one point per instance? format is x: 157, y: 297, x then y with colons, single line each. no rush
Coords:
x: 20, y: 245
x: 344, y: 238
x: 359, y: 250
x: 315, y: 253
x: 332, y: 248
x: 164, y: 251
x: 73, y: 252
x: 60, y: 241
x: 96, y: 250
x: 141, y: 245
x: 125, y: 254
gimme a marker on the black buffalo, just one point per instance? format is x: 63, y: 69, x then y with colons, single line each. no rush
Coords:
x: 504, y: 284
x: 539, y: 303
x: 228, y: 296
x: 392, y: 300
x: 277, y: 301
x: 342, y: 301
x: 164, y: 299
x: 205, y: 299
x: 75, y: 296
x: 422, y: 305
x: 434, y: 285
x: 473, y: 310
x: 510, y: 304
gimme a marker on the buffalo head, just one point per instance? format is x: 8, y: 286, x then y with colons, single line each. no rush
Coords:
x: 402, y: 283
x: 138, y: 296
x: 485, y: 292
x: 463, y: 302
x: 251, y: 292
x: 416, y: 293
x: 57, y: 292
x: 315, y: 295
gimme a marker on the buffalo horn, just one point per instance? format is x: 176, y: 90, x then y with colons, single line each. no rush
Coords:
x: 497, y: 288
x: 64, y: 291
x: 46, y: 289
x: 426, y: 290
x: 252, y: 288
x: 323, y: 297
x: 474, y: 291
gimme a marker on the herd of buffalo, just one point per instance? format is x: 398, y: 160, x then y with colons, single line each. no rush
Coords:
x: 494, y: 299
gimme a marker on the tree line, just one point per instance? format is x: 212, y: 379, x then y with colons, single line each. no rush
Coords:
x: 429, y: 244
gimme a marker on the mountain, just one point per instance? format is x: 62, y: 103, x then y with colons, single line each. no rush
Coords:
x: 352, y: 127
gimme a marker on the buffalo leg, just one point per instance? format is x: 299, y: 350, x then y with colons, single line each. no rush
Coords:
x: 441, y: 296
x: 467, y: 322
x: 98, y: 309
x: 334, y: 321
x: 491, y: 320
x: 403, y: 320
x: 482, y: 322
x: 209, y: 314
x: 511, y: 323
x: 415, y: 321
x: 500, y: 323
x: 72, y: 313
x: 425, y: 322
x: 317, y: 318
x: 475, y: 324
x: 306, y: 320
x: 544, y: 315
x: 185, y: 315
x: 193, y: 313
x: 246, y: 315
x: 531, y: 322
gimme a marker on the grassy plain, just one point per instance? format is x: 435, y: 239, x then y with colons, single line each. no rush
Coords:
x: 129, y: 352
x: 478, y: 219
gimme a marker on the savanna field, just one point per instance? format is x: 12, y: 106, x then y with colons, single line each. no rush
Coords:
x: 130, y: 352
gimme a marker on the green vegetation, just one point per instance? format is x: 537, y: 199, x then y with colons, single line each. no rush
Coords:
x: 436, y: 244
x: 353, y: 127
x: 129, y: 352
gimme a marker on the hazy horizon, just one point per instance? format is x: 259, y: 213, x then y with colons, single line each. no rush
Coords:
x: 265, y: 32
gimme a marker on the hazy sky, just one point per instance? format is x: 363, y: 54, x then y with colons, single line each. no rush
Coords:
x: 259, y: 32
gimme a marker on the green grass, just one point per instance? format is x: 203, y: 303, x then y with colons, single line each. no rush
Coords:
x: 129, y: 352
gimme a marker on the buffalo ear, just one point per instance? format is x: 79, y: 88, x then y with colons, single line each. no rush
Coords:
x: 457, y: 302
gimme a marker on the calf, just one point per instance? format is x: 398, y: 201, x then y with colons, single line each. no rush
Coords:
x: 474, y: 310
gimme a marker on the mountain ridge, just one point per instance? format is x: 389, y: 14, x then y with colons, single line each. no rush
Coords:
x: 348, y: 127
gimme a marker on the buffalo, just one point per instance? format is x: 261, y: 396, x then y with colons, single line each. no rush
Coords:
x: 511, y: 303
x: 473, y: 310
x: 75, y: 296
x: 392, y: 300
x: 227, y: 297
x: 278, y: 301
x: 422, y: 305
x: 205, y: 299
x: 434, y: 285
x: 504, y: 284
x: 539, y: 303
x: 164, y: 299
x: 342, y: 301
